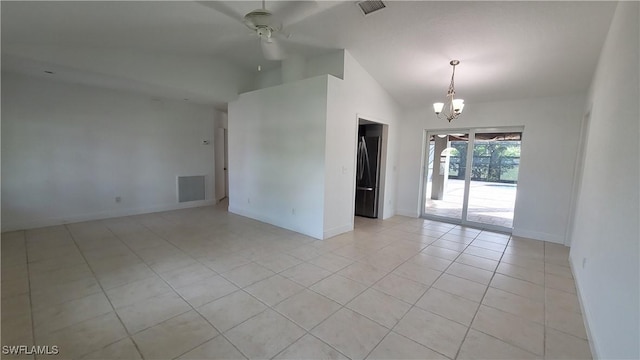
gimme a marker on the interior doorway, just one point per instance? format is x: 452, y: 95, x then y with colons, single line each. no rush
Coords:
x: 221, y: 165
x: 471, y: 176
x: 370, y: 164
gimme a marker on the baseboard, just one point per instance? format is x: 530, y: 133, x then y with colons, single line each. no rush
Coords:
x: 586, y: 315
x: 538, y: 235
x: 101, y: 215
x: 273, y: 221
x: 408, y: 213
x: 338, y: 230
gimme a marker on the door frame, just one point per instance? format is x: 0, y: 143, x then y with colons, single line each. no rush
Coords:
x: 467, y: 177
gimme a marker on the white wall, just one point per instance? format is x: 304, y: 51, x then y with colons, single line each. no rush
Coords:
x: 358, y: 95
x: 607, y: 212
x: 297, y: 68
x: 69, y: 150
x: 276, y: 155
x: 549, y: 148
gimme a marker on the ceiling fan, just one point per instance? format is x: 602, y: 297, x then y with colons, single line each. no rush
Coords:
x: 266, y: 25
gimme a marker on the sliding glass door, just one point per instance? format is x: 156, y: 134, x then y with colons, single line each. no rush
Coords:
x: 471, y: 176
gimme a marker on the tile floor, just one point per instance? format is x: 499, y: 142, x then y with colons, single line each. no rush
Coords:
x: 205, y: 284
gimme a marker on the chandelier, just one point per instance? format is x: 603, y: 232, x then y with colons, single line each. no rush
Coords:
x: 451, y: 108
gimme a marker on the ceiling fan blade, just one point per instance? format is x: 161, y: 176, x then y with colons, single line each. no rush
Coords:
x: 220, y: 7
x: 272, y: 50
x: 296, y: 11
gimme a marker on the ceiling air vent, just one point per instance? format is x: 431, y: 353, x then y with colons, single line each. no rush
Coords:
x: 369, y: 6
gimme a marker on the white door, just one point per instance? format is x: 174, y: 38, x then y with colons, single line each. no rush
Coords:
x: 220, y: 164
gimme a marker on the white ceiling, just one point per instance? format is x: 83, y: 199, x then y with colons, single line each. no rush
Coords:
x: 508, y: 50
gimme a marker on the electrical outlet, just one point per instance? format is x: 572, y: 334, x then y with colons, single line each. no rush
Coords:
x: 118, y: 199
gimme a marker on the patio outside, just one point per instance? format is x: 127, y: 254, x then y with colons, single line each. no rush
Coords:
x: 489, y: 202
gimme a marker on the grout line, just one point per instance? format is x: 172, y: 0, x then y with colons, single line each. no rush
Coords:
x: 31, y: 312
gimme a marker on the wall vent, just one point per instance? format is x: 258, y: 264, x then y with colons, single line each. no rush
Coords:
x: 369, y: 6
x: 190, y: 188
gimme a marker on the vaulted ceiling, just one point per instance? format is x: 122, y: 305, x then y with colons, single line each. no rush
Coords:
x: 196, y: 50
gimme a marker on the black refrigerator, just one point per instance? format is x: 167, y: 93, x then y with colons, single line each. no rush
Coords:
x: 367, y: 175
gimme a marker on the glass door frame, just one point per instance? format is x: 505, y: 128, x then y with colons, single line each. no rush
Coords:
x: 467, y: 176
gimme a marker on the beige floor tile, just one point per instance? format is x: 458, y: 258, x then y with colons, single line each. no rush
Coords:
x: 306, y: 274
x: 274, y: 289
x: 559, y: 345
x: 523, y: 261
x: 15, y: 306
x: 514, y: 304
x: 499, y: 238
x: 85, y: 337
x: 39, y: 253
x: 48, y: 265
x: 568, y: 322
x: 450, y: 245
x: 309, y: 347
x: 331, y: 262
x: 556, y: 300
x: 136, y: 291
x: 149, y: 312
x: 231, y: 310
x: 404, y: 289
x: 379, y: 307
x: 489, y: 245
x: 536, y: 254
x: 432, y: 331
x: 248, y: 274
x: 525, y: 243
x: 338, y: 288
x: 101, y: 266
x: 512, y: 329
x: 350, y: 333
x: 476, y: 261
x: 484, y: 253
x: 124, y: 349
x: 278, y: 262
x: 395, y: 346
x: 385, y: 262
x: 187, y: 275
x: 536, y: 277
x: 206, y: 291
x: 417, y: 272
x: 363, y: 273
x: 16, y: 329
x: 518, y: 287
x: 265, y: 335
x: 432, y: 262
x: 225, y: 263
x: 52, y: 278
x: 52, y: 295
x: 482, y: 346
x: 305, y: 252
x: 462, y: 287
x: 559, y: 283
x: 124, y: 275
x: 174, y: 336
x: 307, y: 308
x: 71, y: 312
x: 558, y: 270
x: 470, y: 273
x: 456, y: 237
x: 447, y: 305
x: 218, y: 348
